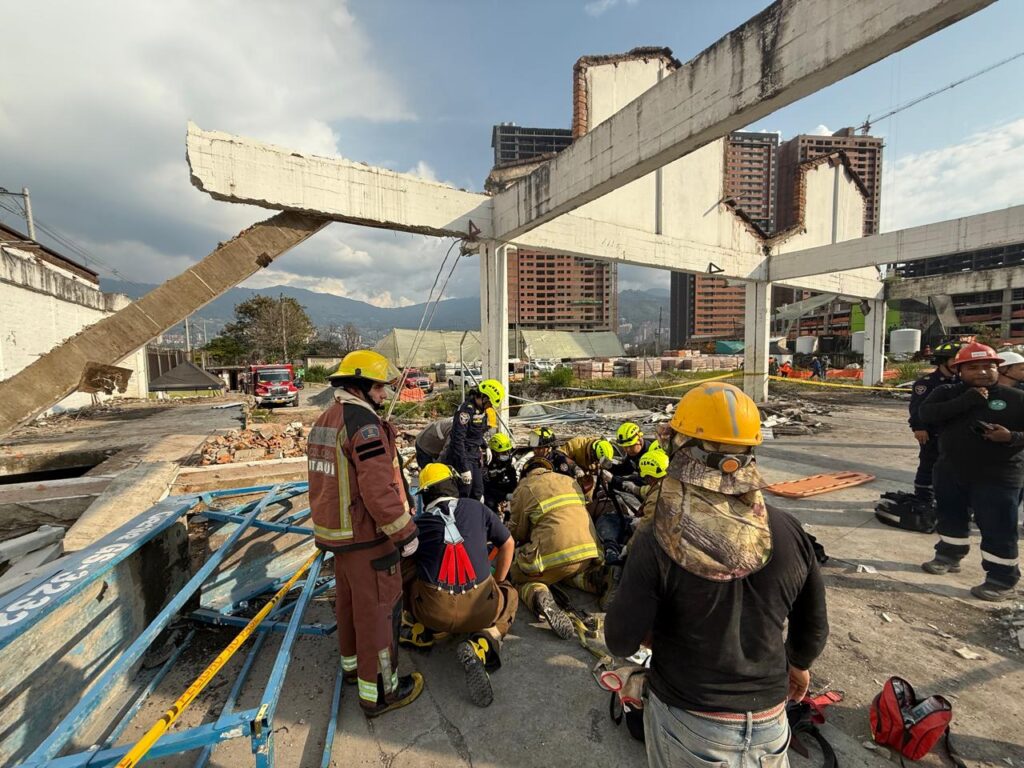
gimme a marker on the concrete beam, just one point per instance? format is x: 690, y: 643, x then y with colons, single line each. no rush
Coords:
x: 874, y: 343
x: 756, y: 327
x: 790, y: 50
x: 240, y: 170
x: 960, y: 282
x: 494, y: 317
x: 969, y: 233
x: 853, y: 284
x: 56, y: 374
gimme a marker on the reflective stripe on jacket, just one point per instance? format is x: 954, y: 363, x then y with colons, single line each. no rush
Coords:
x: 550, y: 523
x: 357, y: 493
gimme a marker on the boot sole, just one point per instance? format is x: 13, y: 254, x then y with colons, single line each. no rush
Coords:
x: 409, y: 699
x: 559, y: 621
x: 478, y: 682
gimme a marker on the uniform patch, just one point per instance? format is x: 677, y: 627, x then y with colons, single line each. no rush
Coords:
x: 464, y: 418
x: 369, y: 432
x: 997, y: 405
x: 920, y: 389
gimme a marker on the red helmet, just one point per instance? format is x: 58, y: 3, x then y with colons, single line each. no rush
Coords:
x: 975, y: 353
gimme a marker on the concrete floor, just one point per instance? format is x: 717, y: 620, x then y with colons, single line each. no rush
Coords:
x: 548, y: 710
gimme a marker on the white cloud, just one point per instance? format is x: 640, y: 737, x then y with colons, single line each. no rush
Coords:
x: 598, y: 7
x: 981, y: 173
x: 96, y: 127
x: 822, y: 130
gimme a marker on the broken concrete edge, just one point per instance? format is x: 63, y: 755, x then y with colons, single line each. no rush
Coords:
x: 193, y: 480
x: 129, y: 494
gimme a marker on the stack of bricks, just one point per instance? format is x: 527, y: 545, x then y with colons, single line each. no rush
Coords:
x: 592, y: 369
x: 645, y: 366
x: 711, y: 363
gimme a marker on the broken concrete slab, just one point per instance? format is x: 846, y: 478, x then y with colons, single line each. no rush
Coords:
x: 127, y: 495
x: 14, y: 549
x: 239, y: 475
x: 26, y: 506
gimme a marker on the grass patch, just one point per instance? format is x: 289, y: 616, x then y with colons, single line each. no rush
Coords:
x: 910, y: 371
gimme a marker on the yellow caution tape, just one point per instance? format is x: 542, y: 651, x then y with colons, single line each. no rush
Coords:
x: 143, y: 745
x: 826, y: 383
x: 620, y: 393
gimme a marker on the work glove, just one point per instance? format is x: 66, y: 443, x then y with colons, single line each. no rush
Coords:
x: 466, y: 478
x: 410, y: 549
x: 580, y: 474
x: 630, y: 487
x: 606, y: 475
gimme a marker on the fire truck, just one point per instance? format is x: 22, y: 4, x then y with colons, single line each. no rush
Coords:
x: 273, y: 384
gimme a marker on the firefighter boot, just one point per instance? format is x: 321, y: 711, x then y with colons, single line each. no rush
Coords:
x: 413, y: 634
x: 408, y: 690
x: 472, y: 655
x: 544, y: 605
x: 611, y: 586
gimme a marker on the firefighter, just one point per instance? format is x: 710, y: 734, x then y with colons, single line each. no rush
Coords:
x: 467, y: 440
x: 454, y: 591
x: 555, y: 540
x: 432, y: 442
x: 653, y: 467
x: 592, y: 456
x: 632, y: 444
x: 361, y: 512
x: 542, y: 441
x: 500, y: 476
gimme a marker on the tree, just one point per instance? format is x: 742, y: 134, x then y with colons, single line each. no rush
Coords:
x: 351, y: 338
x: 271, y: 330
x: 226, y: 350
x: 326, y: 343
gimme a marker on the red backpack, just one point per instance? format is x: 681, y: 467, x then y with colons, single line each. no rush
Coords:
x: 909, y: 725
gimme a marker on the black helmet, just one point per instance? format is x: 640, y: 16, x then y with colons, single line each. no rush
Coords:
x: 945, y: 352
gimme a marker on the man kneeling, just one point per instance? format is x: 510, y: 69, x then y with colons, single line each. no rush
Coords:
x: 454, y: 591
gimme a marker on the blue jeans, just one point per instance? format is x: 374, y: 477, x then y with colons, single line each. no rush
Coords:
x: 675, y: 738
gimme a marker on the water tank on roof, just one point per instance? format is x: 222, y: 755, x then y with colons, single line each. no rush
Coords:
x: 905, y: 341
x: 857, y: 342
x: 806, y: 345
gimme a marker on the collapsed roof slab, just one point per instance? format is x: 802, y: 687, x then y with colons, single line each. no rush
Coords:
x: 790, y: 50
x: 58, y: 373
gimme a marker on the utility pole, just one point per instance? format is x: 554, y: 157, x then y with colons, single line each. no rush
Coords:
x: 284, y: 332
x: 188, y: 341
x: 28, y: 213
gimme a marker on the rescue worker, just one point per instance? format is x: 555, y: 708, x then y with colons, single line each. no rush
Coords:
x: 928, y: 438
x: 653, y: 467
x: 632, y: 444
x: 361, y: 512
x: 542, y: 441
x: 817, y: 369
x: 980, y: 468
x: 454, y: 591
x: 773, y: 366
x: 500, y: 476
x: 591, y: 456
x: 432, y: 441
x: 785, y: 370
x: 712, y: 582
x: 555, y: 540
x: 1011, y: 370
x: 467, y: 440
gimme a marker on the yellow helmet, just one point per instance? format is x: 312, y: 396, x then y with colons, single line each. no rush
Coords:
x: 541, y: 437
x: 654, y: 463
x: 604, y: 451
x: 366, y: 364
x: 628, y: 434
x: 500, y: 443
x: 719, y: 413
x: 432, y: 474
x: 492, y: 390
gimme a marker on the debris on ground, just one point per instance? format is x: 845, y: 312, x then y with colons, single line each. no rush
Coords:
x: 967, y: 653
x: 265, y: 441
x: 792, y: 416
x: 20, y: 555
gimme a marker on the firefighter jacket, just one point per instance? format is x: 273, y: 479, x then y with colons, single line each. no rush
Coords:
x: 919, y: 393
x: 550, y: 523
x: 467, y: 440
x: 500, y: 478
x: 581, y: 451
x: 357, y: 492
x: 563, y: 464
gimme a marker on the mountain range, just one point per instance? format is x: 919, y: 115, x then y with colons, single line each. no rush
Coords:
x: 324, y: 309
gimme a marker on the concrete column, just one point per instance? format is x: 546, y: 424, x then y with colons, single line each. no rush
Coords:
x: 757, y: 319
x: 1006, y: 315
x: 874, y: 342
x: 494, y: 316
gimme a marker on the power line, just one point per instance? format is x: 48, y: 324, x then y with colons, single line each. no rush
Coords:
x: 866, y: 127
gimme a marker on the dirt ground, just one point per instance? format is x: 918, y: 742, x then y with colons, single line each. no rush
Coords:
x: 895, y: 620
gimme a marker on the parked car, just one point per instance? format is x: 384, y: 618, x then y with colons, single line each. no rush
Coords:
x: 416, y: 378
x: 471, y: 376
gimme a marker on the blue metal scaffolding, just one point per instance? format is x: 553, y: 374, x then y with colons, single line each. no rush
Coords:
x: 256, y: 723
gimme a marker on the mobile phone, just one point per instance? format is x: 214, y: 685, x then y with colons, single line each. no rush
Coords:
x: 981, y: 427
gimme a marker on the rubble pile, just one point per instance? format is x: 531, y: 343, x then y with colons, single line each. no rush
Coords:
x: 1014, y: 621
x: 793, y: 417
x: 265, y: 441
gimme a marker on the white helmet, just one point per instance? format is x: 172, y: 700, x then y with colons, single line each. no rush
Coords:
x: 1010, y: 358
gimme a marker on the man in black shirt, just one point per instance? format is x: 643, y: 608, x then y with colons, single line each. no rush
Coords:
x: 980, y: 468
x: 928, y: 438
x: 711, y: 580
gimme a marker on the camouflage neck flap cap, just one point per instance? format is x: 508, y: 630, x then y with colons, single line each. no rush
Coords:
x: 712, y: 524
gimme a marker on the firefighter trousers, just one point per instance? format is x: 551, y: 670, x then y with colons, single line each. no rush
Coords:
x: 926, y: 458
x: 368, y: 606
x: 489, y: 609
x: 530, y: 584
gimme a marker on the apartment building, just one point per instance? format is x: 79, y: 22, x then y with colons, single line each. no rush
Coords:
x: 557, y: 292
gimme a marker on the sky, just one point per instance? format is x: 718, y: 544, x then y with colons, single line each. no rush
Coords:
x: 94, y: 100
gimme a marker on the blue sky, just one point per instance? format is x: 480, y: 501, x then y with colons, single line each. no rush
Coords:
x: 96, y: 129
